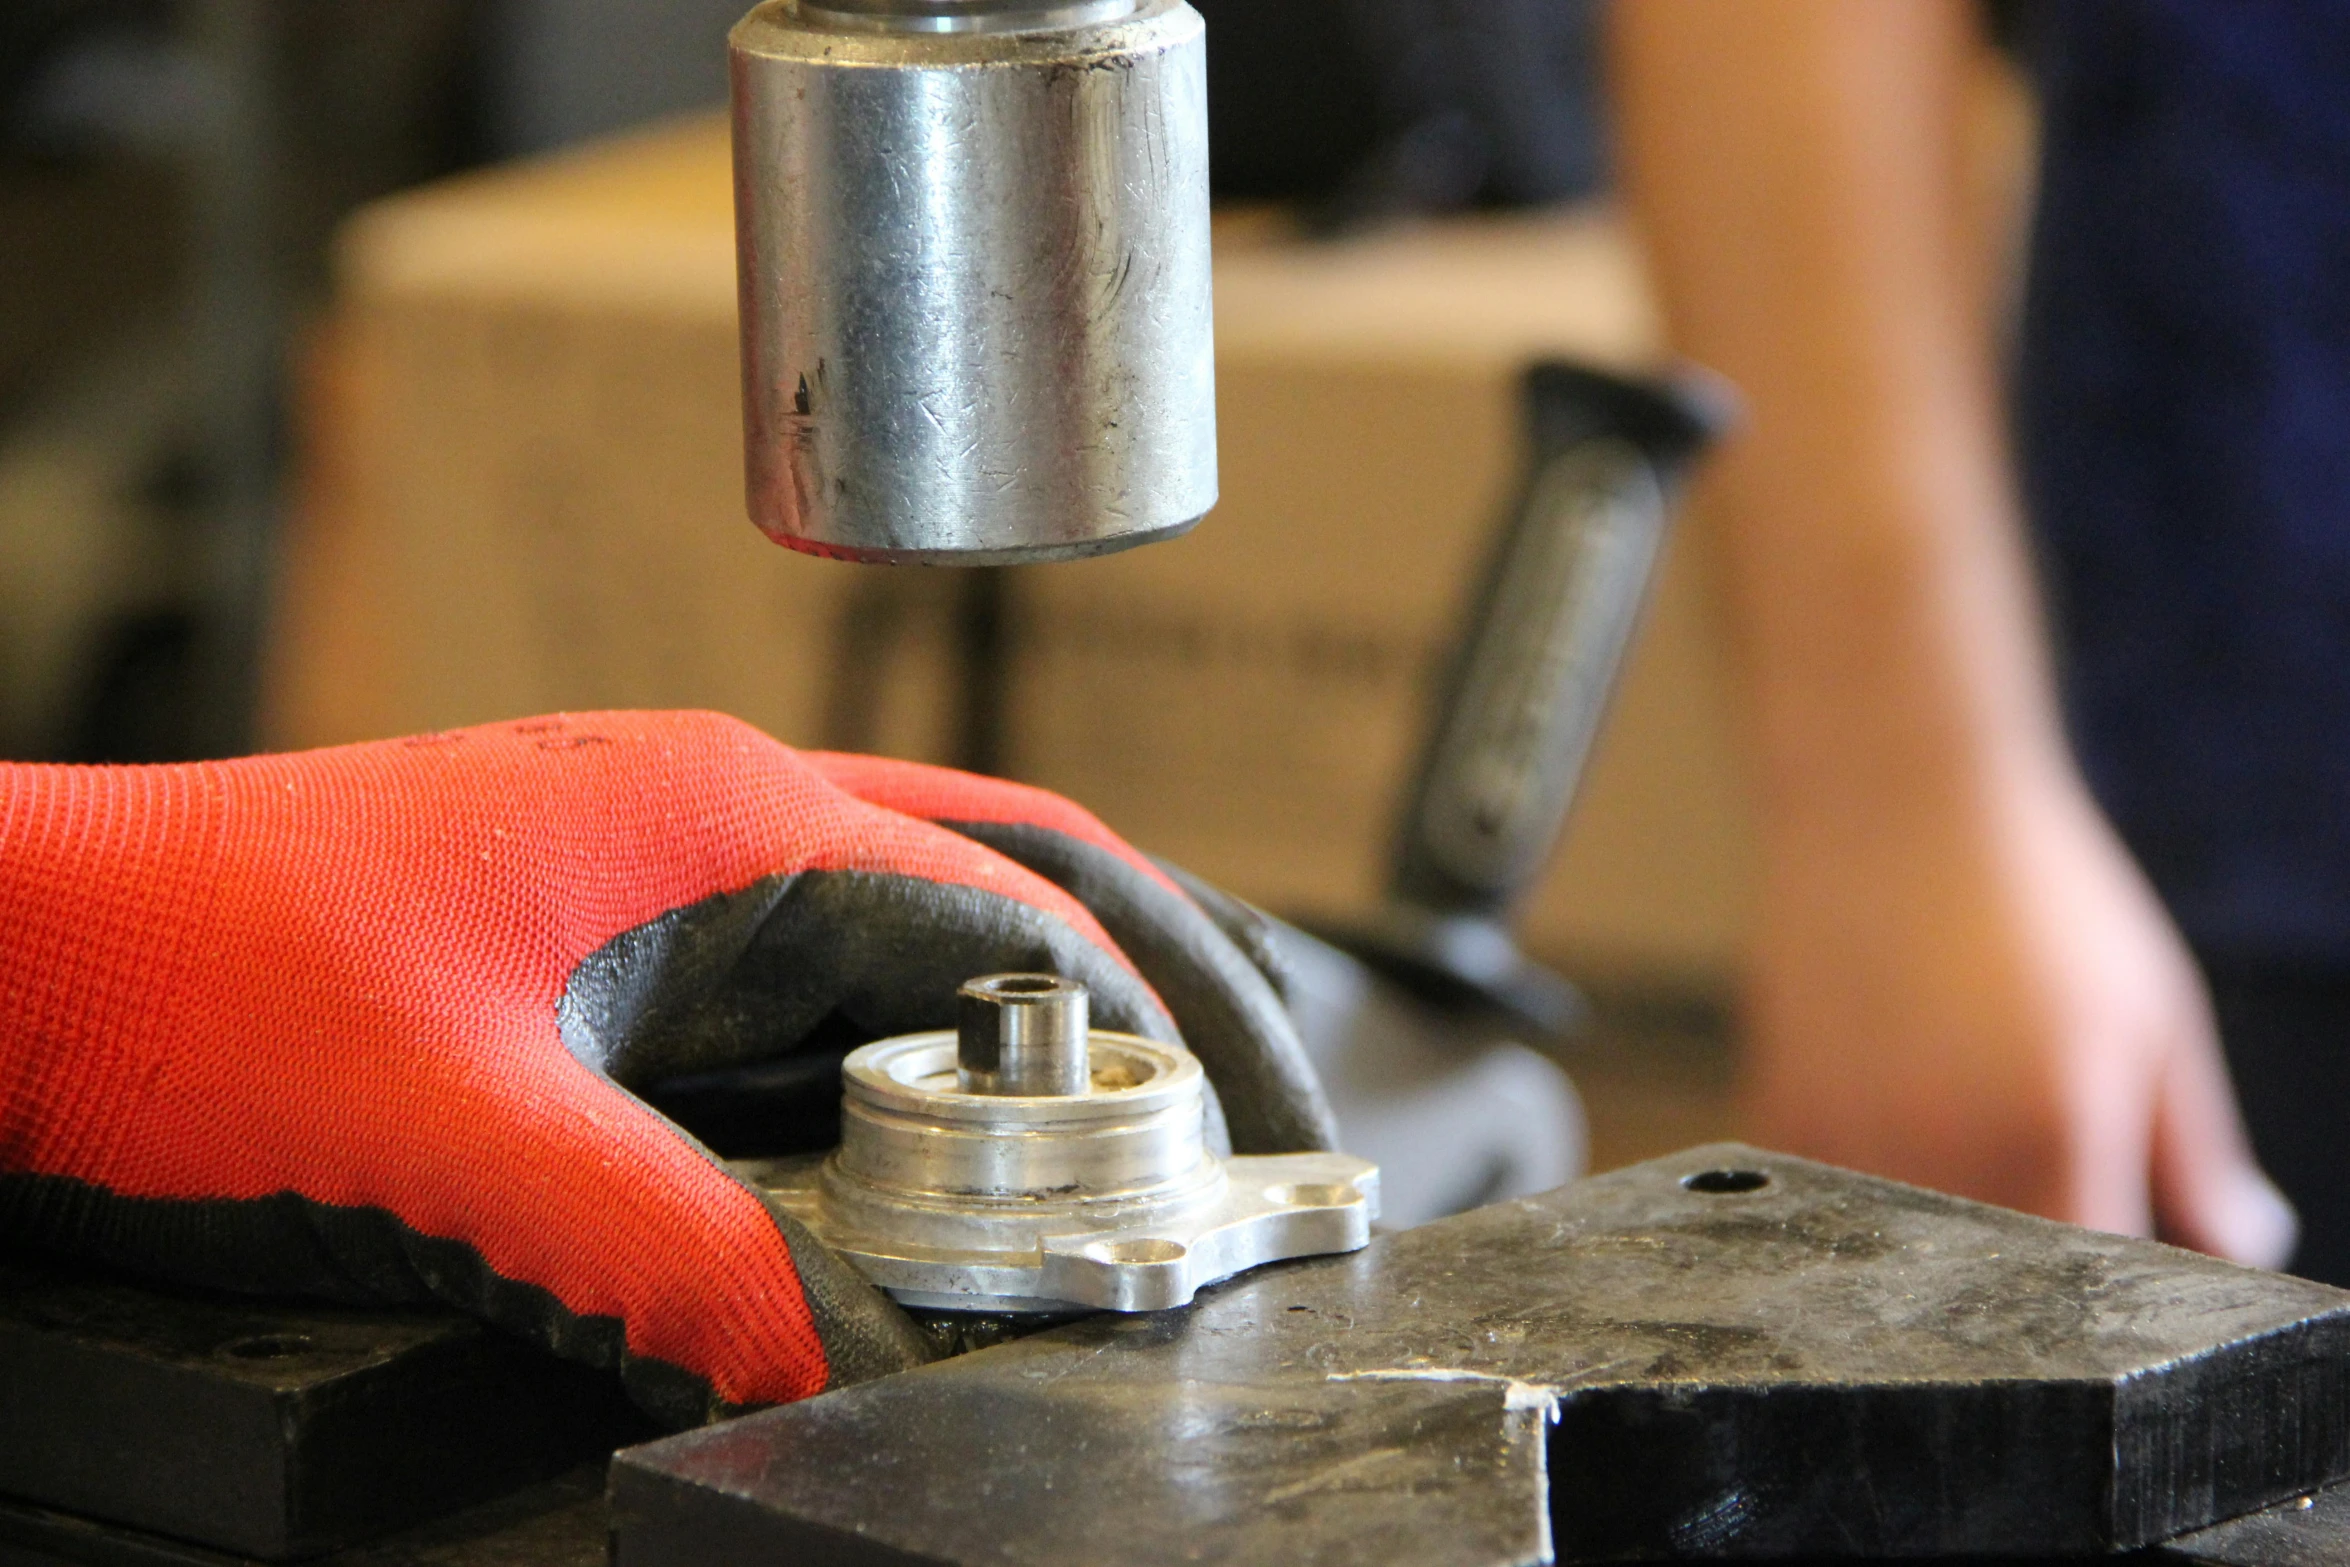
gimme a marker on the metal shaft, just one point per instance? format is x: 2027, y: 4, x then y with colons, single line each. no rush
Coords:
x: 1023, y: 1035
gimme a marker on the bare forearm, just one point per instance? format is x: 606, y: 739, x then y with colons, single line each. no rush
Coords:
x: 1795, y: 168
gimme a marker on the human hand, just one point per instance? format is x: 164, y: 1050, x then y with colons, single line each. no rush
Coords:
x: 1991, y: 1002
x: 364, y: 1022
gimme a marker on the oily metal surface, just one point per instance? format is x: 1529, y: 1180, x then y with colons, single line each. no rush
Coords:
x: 273, y: 1430
x: 1728, y: 1353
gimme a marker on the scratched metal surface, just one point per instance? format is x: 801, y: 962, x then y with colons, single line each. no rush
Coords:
x: 1811, y: 1363
x: 977, y: 312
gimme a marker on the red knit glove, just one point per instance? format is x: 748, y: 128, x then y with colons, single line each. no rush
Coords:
x: 364, y: 1022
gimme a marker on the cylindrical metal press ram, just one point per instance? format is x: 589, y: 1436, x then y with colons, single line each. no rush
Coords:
x: 972, y: 240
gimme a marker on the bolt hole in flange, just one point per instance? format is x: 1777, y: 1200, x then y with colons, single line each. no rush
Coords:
x: 1726, y: 1183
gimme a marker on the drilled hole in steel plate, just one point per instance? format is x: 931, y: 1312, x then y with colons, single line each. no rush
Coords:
x: 1726, y: 1183
x: 267, y: 1346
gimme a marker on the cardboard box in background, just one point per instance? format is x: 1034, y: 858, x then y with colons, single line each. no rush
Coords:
x: 523, y: 474
x: 1250, y: 700
x: 524, y: 493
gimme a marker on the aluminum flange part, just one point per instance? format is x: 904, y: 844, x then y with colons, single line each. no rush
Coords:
x: 1029, y: 1162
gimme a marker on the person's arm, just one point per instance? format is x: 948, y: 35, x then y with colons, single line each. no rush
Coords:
x: 1959, y: 977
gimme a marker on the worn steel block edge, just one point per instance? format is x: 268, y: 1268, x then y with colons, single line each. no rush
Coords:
x: 1727, y: 1353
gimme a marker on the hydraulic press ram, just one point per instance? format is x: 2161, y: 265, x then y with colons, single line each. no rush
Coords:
x: 973, y: 241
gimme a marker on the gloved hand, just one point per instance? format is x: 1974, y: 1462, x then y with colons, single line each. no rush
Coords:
x: 363, y: 1023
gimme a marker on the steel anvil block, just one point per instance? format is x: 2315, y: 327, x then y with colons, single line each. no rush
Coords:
x: 1726, y: 1353
x: 272, y: 1430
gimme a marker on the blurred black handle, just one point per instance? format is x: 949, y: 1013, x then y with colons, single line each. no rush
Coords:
x: 1546, y: 636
